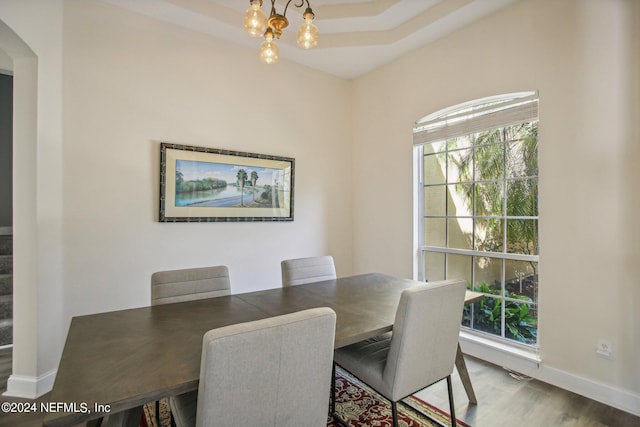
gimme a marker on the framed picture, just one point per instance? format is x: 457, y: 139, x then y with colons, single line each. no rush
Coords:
x: 199, y: 184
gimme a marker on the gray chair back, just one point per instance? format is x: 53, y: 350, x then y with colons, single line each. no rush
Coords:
x: 270, y: 372
x: 425, y: 337
x: 307, y: 270
x: 189, y: 284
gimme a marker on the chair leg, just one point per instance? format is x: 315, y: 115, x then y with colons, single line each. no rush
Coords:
x: 332, y: 406
x: 451, y: 404
x: 394, y: 413
x: 158, y: 412
x: 95, y: 423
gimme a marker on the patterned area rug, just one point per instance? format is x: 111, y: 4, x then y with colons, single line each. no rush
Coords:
x: 149, y: 415
x: 361, y: 406
x: 356, y: 403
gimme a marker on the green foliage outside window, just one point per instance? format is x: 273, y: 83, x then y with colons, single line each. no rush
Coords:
x: 503, y: 165
x: 520, y: 324
x: 510, y: 151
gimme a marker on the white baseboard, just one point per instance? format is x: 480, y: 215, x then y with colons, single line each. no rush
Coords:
x: 529, y: 363
x: 624, y: 400
x: 29, y: 387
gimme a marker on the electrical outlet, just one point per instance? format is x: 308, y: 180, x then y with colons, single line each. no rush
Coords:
x: 604, y: 349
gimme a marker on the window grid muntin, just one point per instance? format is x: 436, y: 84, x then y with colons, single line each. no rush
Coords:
x: 506, y: 178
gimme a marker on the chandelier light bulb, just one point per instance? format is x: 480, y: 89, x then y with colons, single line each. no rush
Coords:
x: 308, y: 34
x: 257, y: 24
x: 269, y: 50
x: 255, y: 20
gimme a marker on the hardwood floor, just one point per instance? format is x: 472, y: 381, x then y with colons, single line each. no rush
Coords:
x: 503, y: 401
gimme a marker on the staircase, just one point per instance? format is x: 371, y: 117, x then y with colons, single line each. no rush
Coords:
x: 6, y: 290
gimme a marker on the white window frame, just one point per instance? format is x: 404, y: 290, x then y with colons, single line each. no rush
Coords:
x: 460, y: 120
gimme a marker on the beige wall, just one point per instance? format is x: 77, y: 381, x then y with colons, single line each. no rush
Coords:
x: 131, y: 82
x: 582, y: 57
x: 6, y: 63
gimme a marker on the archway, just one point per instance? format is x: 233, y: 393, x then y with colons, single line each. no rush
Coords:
x: 22, y: 382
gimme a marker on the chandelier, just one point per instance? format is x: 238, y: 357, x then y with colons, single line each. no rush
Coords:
x: 256, y: 24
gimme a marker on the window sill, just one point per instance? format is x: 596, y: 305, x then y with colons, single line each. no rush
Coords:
x: 523, y: 360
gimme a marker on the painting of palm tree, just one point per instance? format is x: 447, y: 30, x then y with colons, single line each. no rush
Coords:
x: 242, y: 178
x: 221, y: 185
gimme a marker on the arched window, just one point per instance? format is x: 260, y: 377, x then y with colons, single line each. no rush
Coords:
x: 477, y: 210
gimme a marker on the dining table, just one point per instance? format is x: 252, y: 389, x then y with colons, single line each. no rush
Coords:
x: 118, y: 360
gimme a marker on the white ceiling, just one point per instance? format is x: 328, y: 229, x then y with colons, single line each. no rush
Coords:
x: 356, y: 36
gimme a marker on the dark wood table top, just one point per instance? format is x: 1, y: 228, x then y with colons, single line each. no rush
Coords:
x: 130, y: 357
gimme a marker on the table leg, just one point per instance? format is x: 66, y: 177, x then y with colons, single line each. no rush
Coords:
x: 127, y: 418
x: 461, y: 366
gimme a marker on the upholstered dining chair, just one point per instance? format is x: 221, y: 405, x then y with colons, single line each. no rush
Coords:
x: 420, y: 351
x: 307, y: 270
x: 266, y: 373
x: 189, y: 284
